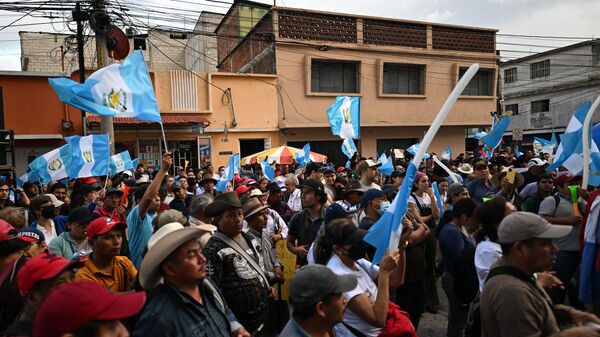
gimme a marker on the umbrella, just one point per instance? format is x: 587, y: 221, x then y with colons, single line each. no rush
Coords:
x: 281, y: 155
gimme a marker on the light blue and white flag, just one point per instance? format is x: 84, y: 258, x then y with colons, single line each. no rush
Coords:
x: 494, y: 138
x: 118, y: 90
x: 120, y: 162
x: 135, y: 162
x: 90, y: 155
x: 438, y: 198
x: 570, y: 151
x: 23, y: 178
x: 413, y: 149
x: 447, y: 155
x: 518, y: 153
x: 344, y: 117
x: 303, y: 157
x: 480, y: 135
x: 268, y: 171
x: 379, y: 234
x: 348, y: 165
x: 543, y: 145
x: 227, y: 176
x: 53, y: 165
x: 348, y: 147
x: 386, y: 165
x: 589, y: 278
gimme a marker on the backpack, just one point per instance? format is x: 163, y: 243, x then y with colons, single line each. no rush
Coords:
x: 538, y: 201
x: 466, y: 282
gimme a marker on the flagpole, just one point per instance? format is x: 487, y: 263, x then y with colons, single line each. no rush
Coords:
x: 452, y: 176
x: 162, y: 129
x: 586, y: 143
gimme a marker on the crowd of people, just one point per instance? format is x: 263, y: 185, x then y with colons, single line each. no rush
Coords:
x: 166, y: 254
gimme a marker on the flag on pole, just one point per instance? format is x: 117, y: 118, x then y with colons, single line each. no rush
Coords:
x: 386, y: 165
x: 90, y: 155
x: 120, y: 162
x: 303, y: 157
x: 439, y: 202
x: 22, y: 179
x: 221, y: 186
x: 493, y: 139
x: 348, y: 147
x: 413, y: 149
x: 447, y: 155
x: 118, y: 90
x: 480, y: 135
x: 53, y: 165
x: 135, y: 162
x: 268, y: 171
x: 344, y: 117
x: 543, y: 145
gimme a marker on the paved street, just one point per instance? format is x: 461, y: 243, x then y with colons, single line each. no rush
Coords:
x: 435, y: 325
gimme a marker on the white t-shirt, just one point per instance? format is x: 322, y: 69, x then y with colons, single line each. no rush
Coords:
x: 423, y: 201
x: 486, y: 254
x: 295, y: 201
x: 366, y: 273
x: 48, y: 235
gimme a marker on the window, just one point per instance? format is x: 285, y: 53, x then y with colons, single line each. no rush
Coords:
x: 482, y: 83
x: 540, y: 69
x: 404, y: 79
x: 595, y: 54
x: 540, y: 106
x: 512, y: 107
x: 510, y: 75
x: 334, y: 76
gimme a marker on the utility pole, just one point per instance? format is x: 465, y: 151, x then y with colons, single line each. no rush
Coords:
x: 100, y: 21
x: 79, y: 17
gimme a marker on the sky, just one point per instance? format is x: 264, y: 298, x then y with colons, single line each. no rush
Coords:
x: 557, y: 18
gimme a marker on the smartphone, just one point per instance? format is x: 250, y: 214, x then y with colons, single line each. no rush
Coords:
x: 510, y: 175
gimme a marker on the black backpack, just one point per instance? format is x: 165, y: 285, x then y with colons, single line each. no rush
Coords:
x: 466, y: 282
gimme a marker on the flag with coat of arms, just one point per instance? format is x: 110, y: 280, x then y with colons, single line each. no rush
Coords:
x: 90, y: 155
x: 344, y: 117
x: 54, y: 165
x: 117, y: 90
x: 120, y: 162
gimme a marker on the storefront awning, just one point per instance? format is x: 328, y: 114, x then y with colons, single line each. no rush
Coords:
x: 167, y: 120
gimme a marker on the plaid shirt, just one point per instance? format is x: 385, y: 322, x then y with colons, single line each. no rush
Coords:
x: 243, y: 287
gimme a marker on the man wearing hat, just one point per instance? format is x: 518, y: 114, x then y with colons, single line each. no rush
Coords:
x: 535, y: 167
x: 374, y: 204
x: 45, y: 210
x: 74, y: 241
x: 512, y: 302
x: 36, y: 280
x: 305, y: 225
x: 199, y: 219
x: 104, y: 265
x: 183, y: 301
x: 481, y: 185
x: 329, y: 175
x: 558, y: 209
x: 208, y: 183
x: 111, y: 205
x: 139, y: 220
x: 366, y: 170
x: 318, y: 308
x: 234, y: 262
x: 456, y: 191
x: 179, y: 199
x: 314, y: 170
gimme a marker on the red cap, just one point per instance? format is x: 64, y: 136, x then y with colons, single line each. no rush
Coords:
x: 43, y: 267
x: 88, y: 180
x: 5, y: 229
x: 249, y: 182
x: 341, y: 169
x: 563, y: 178
x: 71, y: 306
x: 241, y: 190
x: 237, y: 179
x: 103, y: 225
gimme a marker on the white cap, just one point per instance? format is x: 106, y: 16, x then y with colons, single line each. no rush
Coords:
x: 536, y: 162
x: 127, y: 172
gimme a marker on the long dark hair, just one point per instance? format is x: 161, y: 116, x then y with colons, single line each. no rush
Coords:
x: 489, y: 215
x: 463, y: 206
x: 332, y: 235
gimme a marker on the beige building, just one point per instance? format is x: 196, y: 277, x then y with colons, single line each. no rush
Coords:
x: 402, y: 70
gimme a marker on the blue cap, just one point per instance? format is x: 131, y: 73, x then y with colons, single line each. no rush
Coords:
x: 370, y: 195
x: 338, y: 209
x: 30, y: 235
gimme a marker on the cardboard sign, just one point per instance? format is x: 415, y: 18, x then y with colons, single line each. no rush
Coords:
x: 288, y: 259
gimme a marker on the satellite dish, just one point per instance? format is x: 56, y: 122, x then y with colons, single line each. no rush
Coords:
x: 116, y: 43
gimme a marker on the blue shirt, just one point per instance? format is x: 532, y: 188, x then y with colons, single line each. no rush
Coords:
x: 452, y: 243
x: 139, y: 231
x: 478, y: 190
x: 171, y: 312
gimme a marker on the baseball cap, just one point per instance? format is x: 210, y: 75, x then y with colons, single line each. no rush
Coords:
x: 341, y: 169
x: 80, y: 215
x: 519, y: 226
x: 536, y: 162
x: 54, y: 199
x: 355, y: 186
x: 43, y: 267
x: 112, y: 190
x: 323, y: 282
x: 103, y: 225
x: 71, y: 306
x: 455, y: 188
x: 480, y: 163
x: 273, y: 188
x: 177, y: 186
x: 249, y: 182
x: 30, y: 235
x: 365, y: 164
x: 338, y: 209
x: 328, y: 169
x: 563, y: 178
x: 5, y: 229
x: 313, y: 184
x: 313, y: 166
x: 241, y: 190
x: 370, y: 195
x: 128, y: 173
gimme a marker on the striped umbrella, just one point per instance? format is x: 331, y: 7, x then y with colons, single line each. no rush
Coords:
x: 281, y: 155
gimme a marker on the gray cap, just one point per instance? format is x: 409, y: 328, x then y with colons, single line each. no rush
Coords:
x: 520, y: 226
x: 455, y: 188
x: 315, y: 282
x: 199, y: 203
x: 168, y: 216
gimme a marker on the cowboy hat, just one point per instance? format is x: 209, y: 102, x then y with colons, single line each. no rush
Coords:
x: 161, y: 244
x: 222, y: 203
x: 252, y: 206
x: 258, y: 193
x: 497, y: 178
x: 207, y: 177
x: 465, y: 168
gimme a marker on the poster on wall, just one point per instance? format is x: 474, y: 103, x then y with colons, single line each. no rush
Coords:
x: 149, y: 153
x: 204, y: 152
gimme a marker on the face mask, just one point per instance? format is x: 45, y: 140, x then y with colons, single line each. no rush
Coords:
x: 357, y: 252
x: 48, y: 212
x: 383, y: 207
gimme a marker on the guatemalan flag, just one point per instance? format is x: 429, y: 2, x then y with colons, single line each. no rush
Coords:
x: 23, y: 178
x: 348, y: 147
x: 221, y: 186
x: 570, y: 151
x: 386, y: 165
x: 413, y: 149
x: 119, y: 90
x: 544, y: 145
x: 494, y: 138
x: 90, y: 155
x: 589, y: 281
x: 447, y: 155
x: 54, y: 165
x: 380, y: 233
x: 303, y: 157
x: 344, y: 117
x: 120, y: 162
x: 268, y: 171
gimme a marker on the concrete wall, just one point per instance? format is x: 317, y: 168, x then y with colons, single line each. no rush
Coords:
x: 41, y: 52
x: 201, y: 49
